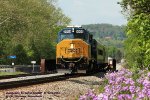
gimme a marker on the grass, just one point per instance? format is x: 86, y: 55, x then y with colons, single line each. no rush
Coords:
x: 10, y: 73
x: 104, y: 83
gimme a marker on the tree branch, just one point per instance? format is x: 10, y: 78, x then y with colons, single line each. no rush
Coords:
x: 4, y: 20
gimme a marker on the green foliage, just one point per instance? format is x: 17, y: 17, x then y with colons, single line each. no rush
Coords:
x: 33, y: 53
x: 115, y: 53
x: 11, y: 73
x: 33, y: 24
x: 103, y: 84
x: 138, y: 32
x: 136, y: 6
x: 111, y: 36
x: 20, y: 54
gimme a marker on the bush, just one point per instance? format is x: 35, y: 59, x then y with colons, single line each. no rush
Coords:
x: 123, y: 85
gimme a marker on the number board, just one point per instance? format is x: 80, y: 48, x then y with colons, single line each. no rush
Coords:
x: 66, y: 31
x: 79, y: 31
x: 76, y: 31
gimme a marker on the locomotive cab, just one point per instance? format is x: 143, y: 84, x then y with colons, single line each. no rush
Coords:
x: 72, y: 50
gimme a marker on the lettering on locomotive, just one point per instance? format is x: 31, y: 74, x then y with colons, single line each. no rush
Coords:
x: 73, y: 50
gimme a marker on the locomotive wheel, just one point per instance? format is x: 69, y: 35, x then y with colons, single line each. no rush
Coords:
x: 102, y: 67
x: 88, y: 70
x: 92, y: 66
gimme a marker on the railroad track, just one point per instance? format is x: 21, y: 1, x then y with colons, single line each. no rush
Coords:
x: 19, y: 75
x: 32, y: 80
x: 24, y: 75
x: 14, y: 76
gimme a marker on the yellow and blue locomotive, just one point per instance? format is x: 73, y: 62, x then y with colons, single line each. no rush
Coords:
x: 77, y: 52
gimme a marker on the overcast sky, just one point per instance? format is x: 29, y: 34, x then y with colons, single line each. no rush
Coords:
x: 92, y: 11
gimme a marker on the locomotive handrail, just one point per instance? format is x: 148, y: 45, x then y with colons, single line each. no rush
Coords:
x: 71, y: 61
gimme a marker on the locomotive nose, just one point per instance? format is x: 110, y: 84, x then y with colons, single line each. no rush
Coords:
x: 72, y: 49
x: 71, y: 53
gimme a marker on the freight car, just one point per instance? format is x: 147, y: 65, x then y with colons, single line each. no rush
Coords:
x: 77, y: 52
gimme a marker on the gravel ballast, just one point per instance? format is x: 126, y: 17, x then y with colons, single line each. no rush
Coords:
x: 69, y: 89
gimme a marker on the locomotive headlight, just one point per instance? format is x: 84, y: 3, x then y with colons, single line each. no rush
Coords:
x: 71, y: 45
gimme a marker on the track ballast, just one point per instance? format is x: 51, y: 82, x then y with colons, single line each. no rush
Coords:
x: 32, y: 80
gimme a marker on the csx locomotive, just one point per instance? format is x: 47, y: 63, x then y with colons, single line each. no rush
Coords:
x: 77, y: 52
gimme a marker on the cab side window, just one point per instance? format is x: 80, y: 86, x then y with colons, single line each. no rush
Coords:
x: 100, y: 52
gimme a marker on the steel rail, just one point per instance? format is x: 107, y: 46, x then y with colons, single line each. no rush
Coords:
x: 35, y: 81
x: 39, y: 80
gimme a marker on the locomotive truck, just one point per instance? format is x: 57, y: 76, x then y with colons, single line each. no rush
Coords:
x: 77, y: 52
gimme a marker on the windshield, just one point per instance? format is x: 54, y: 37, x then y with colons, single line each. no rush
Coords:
x: 80, y: 36
x: 73, y: 33
x: 66, y: 36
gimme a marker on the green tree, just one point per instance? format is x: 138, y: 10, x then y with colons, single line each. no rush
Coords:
x: 138, y: 32
x: 26, y: 21
x: 21, y: 56
x: 33, y: 53
x: 115, y: 53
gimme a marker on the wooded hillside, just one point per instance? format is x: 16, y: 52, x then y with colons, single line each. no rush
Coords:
x: 106, y: 31
x: 110, y: 35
